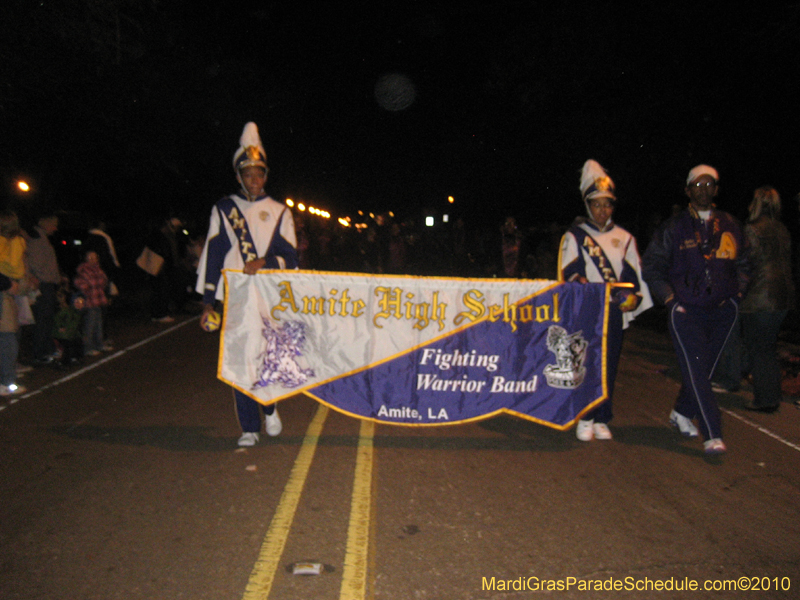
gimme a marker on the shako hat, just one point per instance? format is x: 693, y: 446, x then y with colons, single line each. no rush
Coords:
x: 595, y: 182
x: 251, y: 151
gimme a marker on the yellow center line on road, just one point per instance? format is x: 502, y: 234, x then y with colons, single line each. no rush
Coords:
x: 356, y: 558
x: 263, y: 574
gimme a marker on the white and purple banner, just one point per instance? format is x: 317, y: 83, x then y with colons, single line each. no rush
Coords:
x: 417, y: 350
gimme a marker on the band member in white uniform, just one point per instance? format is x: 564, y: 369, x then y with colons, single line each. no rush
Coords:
x: 596, y: 250
x: 248, y: 231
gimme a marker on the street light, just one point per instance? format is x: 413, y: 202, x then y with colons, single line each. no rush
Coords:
x: 23, y: 186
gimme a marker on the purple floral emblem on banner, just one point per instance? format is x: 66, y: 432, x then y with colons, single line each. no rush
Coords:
x: 279, y: 359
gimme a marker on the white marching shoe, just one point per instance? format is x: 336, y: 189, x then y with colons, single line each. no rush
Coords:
x: 601, y: 432
x: 684, y: 424
x: 585, y: 431
x: 249, y: 438
x: 273, y: 424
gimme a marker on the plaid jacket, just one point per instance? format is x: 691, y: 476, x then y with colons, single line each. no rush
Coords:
x: 92, y: 282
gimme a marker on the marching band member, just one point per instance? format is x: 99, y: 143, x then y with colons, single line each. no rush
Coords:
x: 248, y: 230
x: 596, y: 250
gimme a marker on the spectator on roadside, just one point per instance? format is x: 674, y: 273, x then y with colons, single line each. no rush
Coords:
x: 460, y: 263
x: 100, y: 241
x: 67, y: 330
x: 160, y: 259
x: 513, y: 249
x: 45, y: 277
x: 397, y: 251
x: 91, y: 282
x: 769, y: 298
x: 304, y: 253
x: 12, y: 276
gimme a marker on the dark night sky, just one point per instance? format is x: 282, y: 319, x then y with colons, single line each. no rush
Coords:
x: 133, y: 107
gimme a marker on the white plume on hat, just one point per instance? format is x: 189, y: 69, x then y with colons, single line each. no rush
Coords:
x: 251, y: 151
x: 701, y: 170
x: 595, y: 182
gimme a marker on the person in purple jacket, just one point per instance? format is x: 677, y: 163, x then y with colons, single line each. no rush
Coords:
x: 696, y: 265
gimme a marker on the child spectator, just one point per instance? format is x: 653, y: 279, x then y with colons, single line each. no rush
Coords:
x: 12, y: 270
x: 91, y: 281
x: 67, y: 330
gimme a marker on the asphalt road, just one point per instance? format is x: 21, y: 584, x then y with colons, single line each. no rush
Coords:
x: 123, y: 480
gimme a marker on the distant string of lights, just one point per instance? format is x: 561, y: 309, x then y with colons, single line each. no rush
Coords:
x: 346, y: 221
x: 361, y: 224
x: 310, y: 209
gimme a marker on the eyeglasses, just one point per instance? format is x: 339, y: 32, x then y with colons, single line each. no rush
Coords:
x: 703, y: 184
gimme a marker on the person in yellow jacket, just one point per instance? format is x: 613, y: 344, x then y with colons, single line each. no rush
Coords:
x: 12, y: 272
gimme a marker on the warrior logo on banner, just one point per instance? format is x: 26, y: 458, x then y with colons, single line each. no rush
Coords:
x: 279, y: 359
x: 570, y: 351
x: 417, y: 350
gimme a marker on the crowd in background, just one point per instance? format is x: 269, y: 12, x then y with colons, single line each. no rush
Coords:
x: 408, y: 247
x: 56, y: 315
x: 503, y: 247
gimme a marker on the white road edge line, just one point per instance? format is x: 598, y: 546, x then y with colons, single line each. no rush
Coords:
x: 100, y: 362
x: 762, y: 429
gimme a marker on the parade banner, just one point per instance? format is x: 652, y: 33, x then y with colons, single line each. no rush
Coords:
x: 417, y: 350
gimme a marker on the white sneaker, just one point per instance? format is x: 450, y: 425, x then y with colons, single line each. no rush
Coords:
x: 714, y: 446
x: 684, y: 424
x: 249, y: 438
x: 585, y: 431
x: 601, y: 432
x: 11, y: 390
x: 273, y: 424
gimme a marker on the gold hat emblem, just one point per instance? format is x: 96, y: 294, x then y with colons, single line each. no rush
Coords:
x: 603, y: 184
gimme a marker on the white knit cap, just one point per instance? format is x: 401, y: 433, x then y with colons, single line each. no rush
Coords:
x: 701, y: 170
